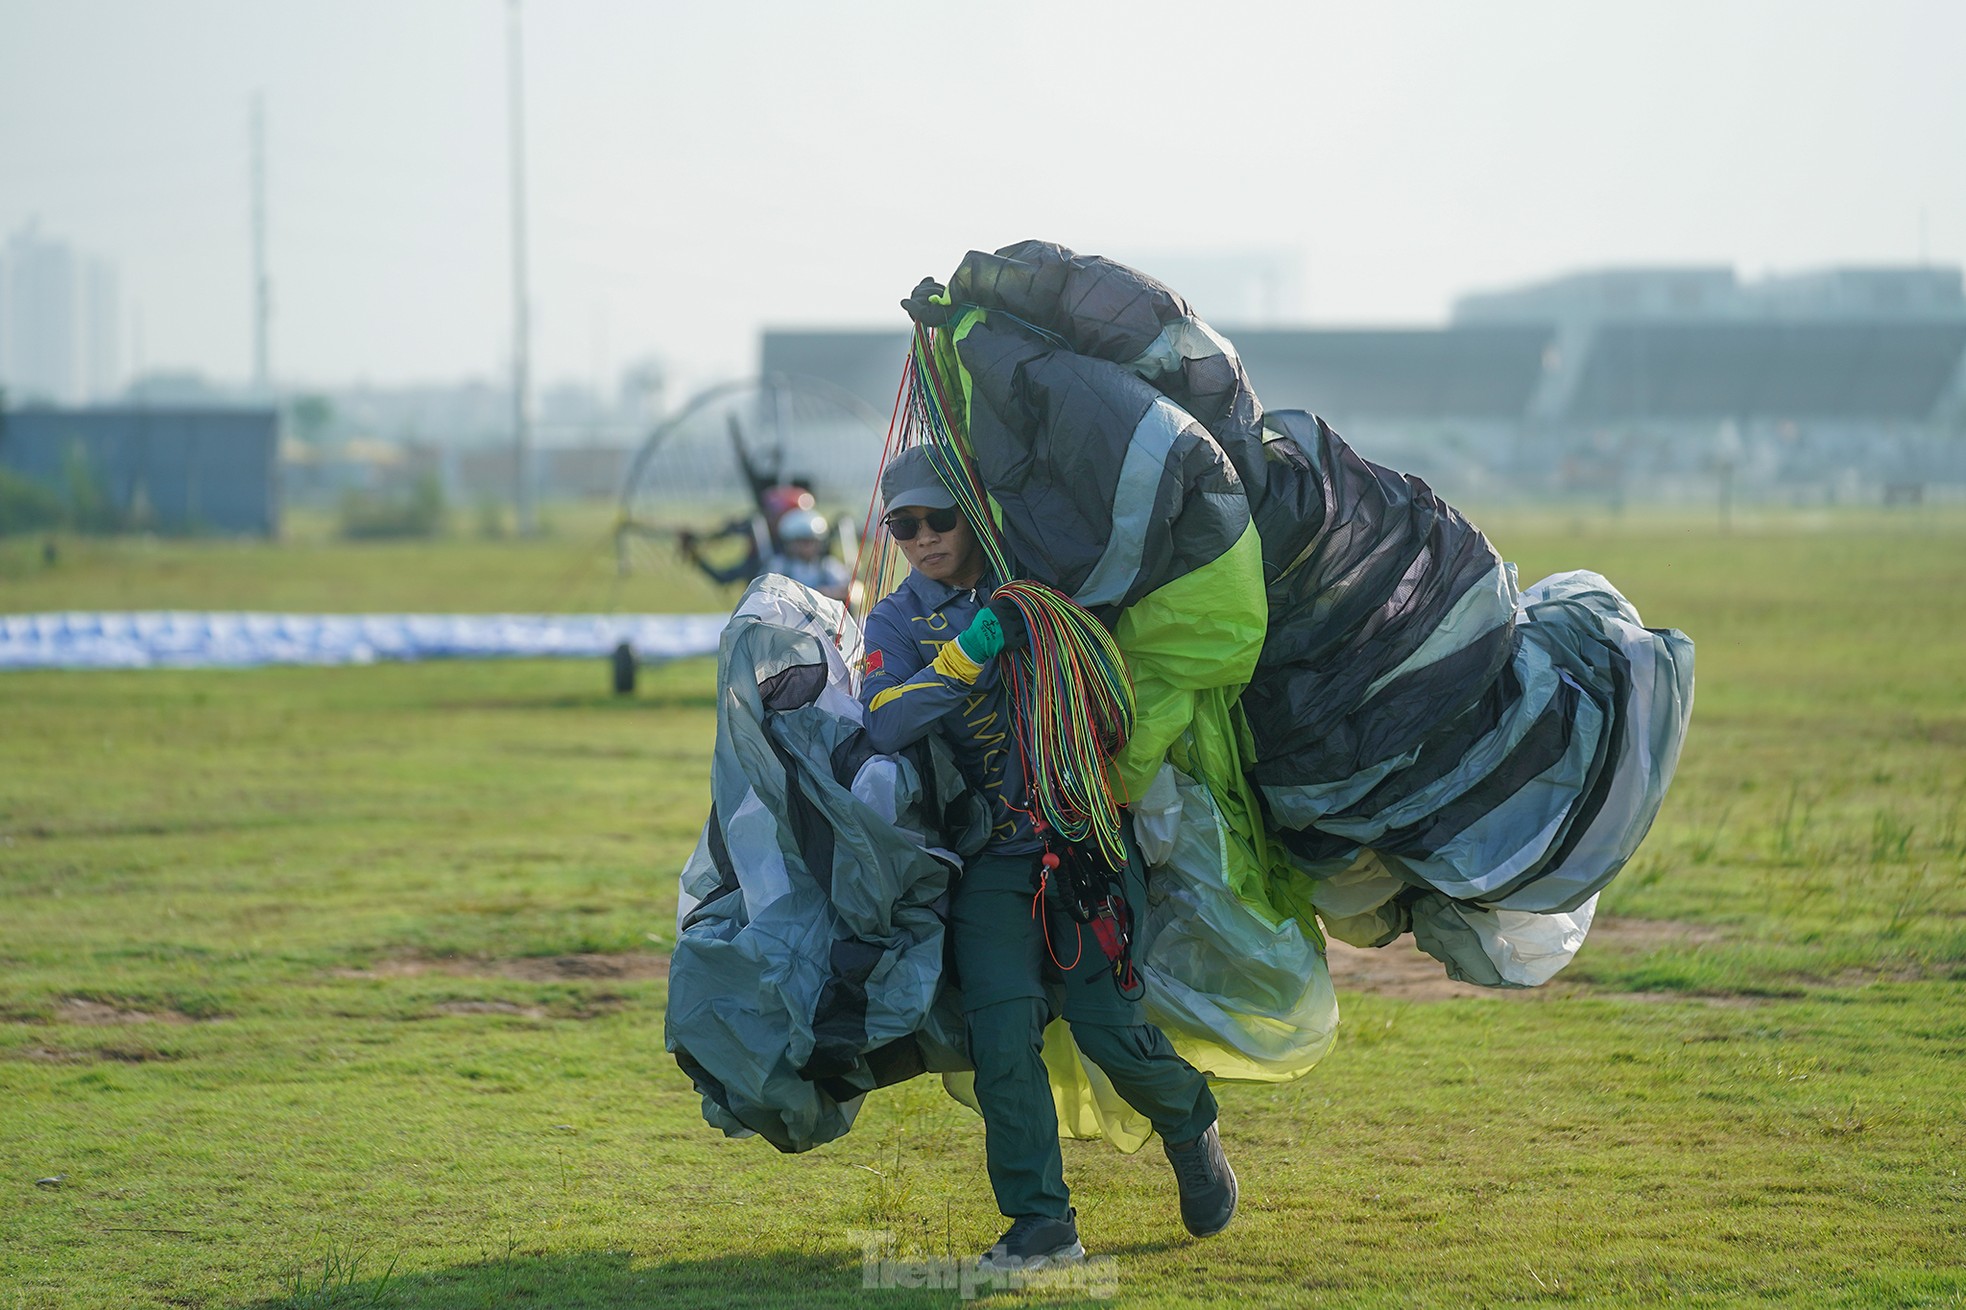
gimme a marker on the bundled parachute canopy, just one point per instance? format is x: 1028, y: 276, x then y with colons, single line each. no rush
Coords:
x: 1346, y: 713
x: 1407, y: 711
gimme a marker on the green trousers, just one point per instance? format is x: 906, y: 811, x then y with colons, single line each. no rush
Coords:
x: 1014, y: 982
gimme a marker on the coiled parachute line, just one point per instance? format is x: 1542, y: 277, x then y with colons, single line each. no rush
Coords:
x: 1072, y: 705
x: 1071, y: 700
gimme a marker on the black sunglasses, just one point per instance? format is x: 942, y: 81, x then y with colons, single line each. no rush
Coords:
x: 903, y: 527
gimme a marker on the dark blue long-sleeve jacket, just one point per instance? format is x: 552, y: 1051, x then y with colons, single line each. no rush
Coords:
x: 917, y: 680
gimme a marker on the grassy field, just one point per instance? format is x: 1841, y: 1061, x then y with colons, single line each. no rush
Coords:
x: 341, y: 987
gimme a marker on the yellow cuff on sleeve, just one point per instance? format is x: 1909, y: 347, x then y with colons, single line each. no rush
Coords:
x: 953, y: 662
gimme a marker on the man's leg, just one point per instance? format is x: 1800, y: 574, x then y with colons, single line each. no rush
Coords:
x: 1112, y: 1031
x: 997, y: 948
x: 1020, y: 1125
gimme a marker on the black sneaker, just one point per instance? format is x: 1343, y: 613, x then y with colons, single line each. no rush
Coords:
x: 1034, y: 1243
x: 1208, y: 1185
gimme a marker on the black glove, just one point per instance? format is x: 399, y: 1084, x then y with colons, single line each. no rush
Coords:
x: 1084, y: 879
x: 1010, y: 619
x: 924, y: 310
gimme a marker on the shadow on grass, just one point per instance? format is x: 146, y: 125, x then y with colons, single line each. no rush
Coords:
x: 615, y: 1280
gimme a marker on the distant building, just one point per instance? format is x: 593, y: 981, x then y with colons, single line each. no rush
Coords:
x: 385, y: 438
x: 60, y: 322
x: 173, y: 471
x: 865, y: 362
x: 1845, y: 378
x: 1647, y: 382
x: 1251, y: 287
x: 101, y: 331
x: 1708, y: 292
x: 486, y: 473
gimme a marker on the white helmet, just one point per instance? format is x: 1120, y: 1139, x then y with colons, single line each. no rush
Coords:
x: 802, y: 525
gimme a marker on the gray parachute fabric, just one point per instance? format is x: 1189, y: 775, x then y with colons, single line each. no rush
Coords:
x: 1107, y: 311
x: 1558, y: 837
x: 808, y: 960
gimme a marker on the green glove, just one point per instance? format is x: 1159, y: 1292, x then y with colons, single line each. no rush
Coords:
x: 983, y: 639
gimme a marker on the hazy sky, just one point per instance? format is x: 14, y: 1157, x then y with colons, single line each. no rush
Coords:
x: 697, y: 170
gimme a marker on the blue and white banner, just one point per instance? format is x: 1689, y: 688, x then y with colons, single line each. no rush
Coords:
x: 181, y: 639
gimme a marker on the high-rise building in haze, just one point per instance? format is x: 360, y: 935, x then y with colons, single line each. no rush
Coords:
x: 102, y: 331
x: 60, y: 322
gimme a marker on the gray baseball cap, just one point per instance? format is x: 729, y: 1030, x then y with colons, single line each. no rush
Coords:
x: 910, y: 479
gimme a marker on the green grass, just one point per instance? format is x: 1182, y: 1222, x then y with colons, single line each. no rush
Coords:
x: 571, y: 571
x: 340, y: 987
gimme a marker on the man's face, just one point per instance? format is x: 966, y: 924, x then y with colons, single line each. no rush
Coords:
x: 954, y: 557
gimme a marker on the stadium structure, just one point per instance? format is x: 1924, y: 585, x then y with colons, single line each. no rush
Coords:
x: 1656, y: 384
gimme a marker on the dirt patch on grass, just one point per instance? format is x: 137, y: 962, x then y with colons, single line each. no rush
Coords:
x: 82, y: 1010
x: 527, y: 968
x: 576, y: 1003
x: 133, y: 1054
x: 1939, y: 732
x: 1400, y: 970
x: 1718, y: 1000
x: 48, y: 1055
x: 1903, y: 973
x: 491, y: 1007
x: 100, y: 1055
x: 559, y: 968
x: 1405, y: 971
x: 1651, y: 934
x: 591, y: 1006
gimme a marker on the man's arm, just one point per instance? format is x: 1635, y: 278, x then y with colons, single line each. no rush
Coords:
x: 746, y: 569
x: 905, y: 697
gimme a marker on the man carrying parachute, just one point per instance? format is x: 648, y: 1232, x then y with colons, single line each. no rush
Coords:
x: 931, y: 666
x: 1313, y: 688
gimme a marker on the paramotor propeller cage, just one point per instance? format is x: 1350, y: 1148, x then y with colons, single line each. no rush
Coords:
x: 731, y: 443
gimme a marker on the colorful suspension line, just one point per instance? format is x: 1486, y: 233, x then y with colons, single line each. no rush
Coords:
x: 948, y: 447
x: 1072, y: 706
x: 876, y: 569
x: 920, y: 418
x: 1071, y: 700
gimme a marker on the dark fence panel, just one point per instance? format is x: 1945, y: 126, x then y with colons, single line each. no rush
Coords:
x: 174, y: 470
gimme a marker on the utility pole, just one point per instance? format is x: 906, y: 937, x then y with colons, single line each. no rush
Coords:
x: 262, y: 293
x: 521, y: 335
